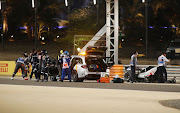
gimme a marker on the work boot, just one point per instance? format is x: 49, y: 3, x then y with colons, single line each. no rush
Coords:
x: 25, y: 78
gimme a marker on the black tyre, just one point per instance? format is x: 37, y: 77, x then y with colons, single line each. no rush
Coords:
x: 147, y: 80
x: 127, y: 76
x: 150, y: 79
x: 75, y: 77
x: 53, y: 78
x: 174, y: 81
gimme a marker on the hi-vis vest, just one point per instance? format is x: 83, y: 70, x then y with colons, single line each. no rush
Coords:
x: 65, y: 63
x: 20, y: 60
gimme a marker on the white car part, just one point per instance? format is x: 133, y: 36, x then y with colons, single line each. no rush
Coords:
x: 148, y: 73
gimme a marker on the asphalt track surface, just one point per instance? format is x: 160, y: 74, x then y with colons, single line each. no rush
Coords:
x: 44, y: 99
x: 163, y: 87
x: 153, y: 94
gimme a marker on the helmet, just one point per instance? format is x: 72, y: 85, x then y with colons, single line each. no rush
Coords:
x: 66, y: 53
x: 44, y: 52
x: 25, y: 54
x: 61, y: 51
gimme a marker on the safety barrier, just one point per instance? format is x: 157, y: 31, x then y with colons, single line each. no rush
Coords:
x: 7, y: 68
x: 116, y: 70
x: 172, y: 70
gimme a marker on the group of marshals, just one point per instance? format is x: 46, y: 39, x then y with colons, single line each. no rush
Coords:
x: 40, y: 61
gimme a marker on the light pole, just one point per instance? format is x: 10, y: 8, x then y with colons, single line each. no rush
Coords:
x: 97, y: 7
x: 94, y: 1
x: 2, y: 12
x: 66, y: 3
x: 146, y: 17
x: 34, y: 5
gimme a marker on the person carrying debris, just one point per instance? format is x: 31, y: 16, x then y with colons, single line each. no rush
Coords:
x: 34, y: 63
x: 133, y: 64
x: 20, y: 63
x: 26, y: 64
x: 44, y: 63
x: 162, y: 60
x: 39, y: 65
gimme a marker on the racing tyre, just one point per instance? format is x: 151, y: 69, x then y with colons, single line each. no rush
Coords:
x: 127, y: 76
x: 53, y: 78
x: 75, y: 77
x: 174, y: 81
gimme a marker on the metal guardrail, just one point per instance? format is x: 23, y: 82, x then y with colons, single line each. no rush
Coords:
x: 172, y: 71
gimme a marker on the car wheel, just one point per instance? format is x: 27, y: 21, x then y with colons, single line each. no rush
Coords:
x: 147, y: 80
x: 53, y: 78
x: 127, y: 76
x: 173, y: 81
x: 75, y: 77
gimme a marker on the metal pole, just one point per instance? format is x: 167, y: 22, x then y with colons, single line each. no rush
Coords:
x: 146, y: 8
x: 108, y: 27
x: 2, y: 31
x: 74, y: 46
x: 36, y: 24
x: 116, y: 26
x: 2, y: 12
x: 97, y: 6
